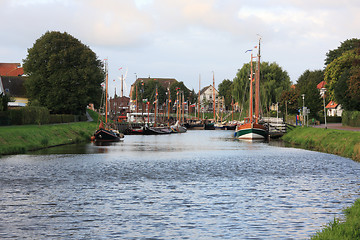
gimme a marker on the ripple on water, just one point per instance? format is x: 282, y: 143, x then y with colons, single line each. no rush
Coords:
x: 198, y: 185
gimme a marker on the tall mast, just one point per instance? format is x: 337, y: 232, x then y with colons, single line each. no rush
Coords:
x: 199, y: 97
x: 257, y: 86
x: 122, y: 87
x: 169, y: 102
x: 106, y: 91
x: 214, y: 94
x: 251, y: 91
x: 183, y: 107
x: 156, y: 95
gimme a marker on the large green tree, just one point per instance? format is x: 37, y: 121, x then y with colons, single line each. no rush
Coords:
x: 343, y: 81
x: 290, y: 101
x: 147, y: 90
x: 345, y: 46
x: 64, y: 74
x: 273, y: 81
x: 225, y: 90
x: 307, y: 84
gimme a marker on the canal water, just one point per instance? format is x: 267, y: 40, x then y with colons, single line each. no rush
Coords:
x: 197, y: 185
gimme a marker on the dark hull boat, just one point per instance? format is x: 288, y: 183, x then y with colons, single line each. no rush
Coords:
x: 104, y: 135
x: 156, y: 130
x: 134, y: 131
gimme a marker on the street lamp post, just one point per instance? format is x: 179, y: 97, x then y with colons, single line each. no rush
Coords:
x: 303, y: 97
x: 323, y: 91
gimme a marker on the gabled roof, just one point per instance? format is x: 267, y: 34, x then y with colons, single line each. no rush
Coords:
x: 331, y: 105
x: 206, y: 88
x: 13, y: 85
x: 321, y: 85
x: 11, y: 69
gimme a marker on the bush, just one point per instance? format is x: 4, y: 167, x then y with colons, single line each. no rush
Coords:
x: 351, y: 118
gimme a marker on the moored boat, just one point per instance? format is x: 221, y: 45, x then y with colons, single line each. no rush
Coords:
x: 251, y: 128
x: 107, y: 135
x: 177, y: 128
x: 251, y: 131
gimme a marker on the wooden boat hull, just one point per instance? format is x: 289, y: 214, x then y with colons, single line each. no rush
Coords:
x: 156, y: 130
x: 104, y: 135
x: 178, y: 129
x: 225, y: 127
x: 133, y: 131
x: 251, y: 131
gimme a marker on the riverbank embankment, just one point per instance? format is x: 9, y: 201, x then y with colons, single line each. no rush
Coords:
x: 340, y: 142
x: 20, y: 139
x: 346, y: 143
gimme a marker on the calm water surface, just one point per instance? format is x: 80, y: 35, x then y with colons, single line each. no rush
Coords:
x: 197, y: 185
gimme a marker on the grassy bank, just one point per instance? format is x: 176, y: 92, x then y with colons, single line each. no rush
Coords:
x: 339, y: 142
x: 342, y: 143
x: 20, y: 139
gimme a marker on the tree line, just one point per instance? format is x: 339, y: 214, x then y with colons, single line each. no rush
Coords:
x: 65, y: 75
x: 341, y: 74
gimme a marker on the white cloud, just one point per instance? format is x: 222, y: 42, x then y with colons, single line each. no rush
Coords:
x: 163, y: 37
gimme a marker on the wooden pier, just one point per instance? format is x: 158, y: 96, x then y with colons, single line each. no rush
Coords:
x: 277, y: 127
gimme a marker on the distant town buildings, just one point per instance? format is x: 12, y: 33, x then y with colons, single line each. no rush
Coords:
x: 119, y: 106
x: 207, y: 99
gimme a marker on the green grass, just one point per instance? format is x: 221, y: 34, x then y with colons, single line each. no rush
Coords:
x: 20, y: 139
x: 339, y: 142
x: 347, y: 230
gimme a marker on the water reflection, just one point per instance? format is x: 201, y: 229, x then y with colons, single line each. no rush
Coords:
x: 198, y: 185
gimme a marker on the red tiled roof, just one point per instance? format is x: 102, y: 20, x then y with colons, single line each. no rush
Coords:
x: 321, y: 85
x: 11, y: 69
x: 332, y: 104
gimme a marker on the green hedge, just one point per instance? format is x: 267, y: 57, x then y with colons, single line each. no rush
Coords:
x: 28, y: 115
x: 330, y: 119
x: 36, y: 115
x: 351, y: 118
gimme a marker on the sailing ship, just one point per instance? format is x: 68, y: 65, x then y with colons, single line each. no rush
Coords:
x: 104, y: 134
x: 252, y: 128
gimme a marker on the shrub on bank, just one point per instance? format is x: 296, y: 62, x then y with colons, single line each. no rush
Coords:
x: 351, y: 118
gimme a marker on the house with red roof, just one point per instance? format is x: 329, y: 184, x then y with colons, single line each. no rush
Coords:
x: 334, y: 109
x: 11, y: 69
x: 12, y: 83
x: 321, y: 87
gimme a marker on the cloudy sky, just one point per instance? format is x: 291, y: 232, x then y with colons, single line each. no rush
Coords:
x: 183, y: 39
